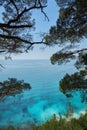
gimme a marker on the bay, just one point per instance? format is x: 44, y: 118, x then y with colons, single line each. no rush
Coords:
x: 43, y: 100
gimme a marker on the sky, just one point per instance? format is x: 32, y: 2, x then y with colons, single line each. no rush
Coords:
x: 42, y: 25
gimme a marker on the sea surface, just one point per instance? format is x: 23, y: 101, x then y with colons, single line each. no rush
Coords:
x: 37, y: 105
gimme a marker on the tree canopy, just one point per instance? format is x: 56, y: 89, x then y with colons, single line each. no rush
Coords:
x: 15, y: 36
x: 75, y: 82
x: 12, y: 87
x: 70, y: 28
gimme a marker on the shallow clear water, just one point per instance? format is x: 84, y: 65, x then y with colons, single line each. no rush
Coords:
x: 43, y: 100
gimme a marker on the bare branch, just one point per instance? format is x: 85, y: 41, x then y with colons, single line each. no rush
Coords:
x: 43, y: 11
x: 12, y: 1
x: 14, y: 37
x: 15, y: 26
x: 24, y: 11
x: 20, y: 39
x: 11, y: 31
x: 77, y: 51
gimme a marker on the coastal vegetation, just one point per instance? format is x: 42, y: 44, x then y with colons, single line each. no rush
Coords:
x: 64, y: 124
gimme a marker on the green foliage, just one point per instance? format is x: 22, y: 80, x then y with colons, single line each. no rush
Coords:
x: 12, y: 86
x: 82, y: 120
x: 82, y: 61
x: 62, y: 2
x: 70, y: 28
x: 64, y: 56
x: 76, y: 81
x: 64, y: 124
x: 71, y: 24
x: 61, y: 57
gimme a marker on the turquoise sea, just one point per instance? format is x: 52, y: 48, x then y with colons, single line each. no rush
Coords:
x: 37, y: 105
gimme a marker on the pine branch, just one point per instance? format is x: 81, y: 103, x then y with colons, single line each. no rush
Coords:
x: 24, y: 11
x: 20, y: 39
x: 15, y: 26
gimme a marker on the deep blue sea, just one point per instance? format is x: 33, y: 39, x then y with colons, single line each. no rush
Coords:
x: 37, y: 105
